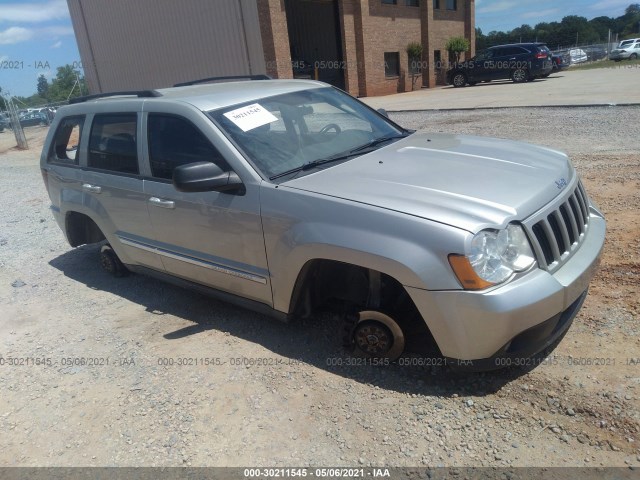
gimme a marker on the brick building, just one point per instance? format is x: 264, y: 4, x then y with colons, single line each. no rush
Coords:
x: 358, y: 45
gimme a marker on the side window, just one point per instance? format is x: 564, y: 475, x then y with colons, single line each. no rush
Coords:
x: 391, y: 64
x: 112, y: 144
x: 66, y: 140
x: 174, y: 141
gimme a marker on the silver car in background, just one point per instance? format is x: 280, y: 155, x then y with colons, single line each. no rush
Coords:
x: 291, y: 197
x: 626, y: 50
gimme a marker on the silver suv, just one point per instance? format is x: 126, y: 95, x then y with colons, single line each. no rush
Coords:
x: 291, y: 197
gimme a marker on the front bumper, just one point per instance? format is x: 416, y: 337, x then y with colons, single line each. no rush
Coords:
x: 483, y: 326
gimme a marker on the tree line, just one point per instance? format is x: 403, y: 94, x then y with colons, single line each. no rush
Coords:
x: 573, y: 30
x: 68, y: 83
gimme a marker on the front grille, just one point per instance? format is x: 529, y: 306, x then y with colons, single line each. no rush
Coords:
x: 562, y: 230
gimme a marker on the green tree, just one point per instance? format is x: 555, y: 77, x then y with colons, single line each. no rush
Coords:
x: 632, y: 9
x: 414, y: 52
x: 43, y: 87
x: 68, y: 83
x: 456, y: 46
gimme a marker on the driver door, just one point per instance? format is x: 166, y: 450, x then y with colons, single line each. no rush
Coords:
x: 211, y: 238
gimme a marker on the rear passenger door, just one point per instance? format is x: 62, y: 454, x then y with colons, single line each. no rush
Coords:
x: 210, y: 238
x: 113, y: 187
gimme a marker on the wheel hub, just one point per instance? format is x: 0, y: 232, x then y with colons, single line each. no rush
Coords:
x: 373, y: 338
x: 378, y: 335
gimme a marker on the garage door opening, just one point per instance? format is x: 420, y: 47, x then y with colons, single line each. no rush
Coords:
x: 315, y: 40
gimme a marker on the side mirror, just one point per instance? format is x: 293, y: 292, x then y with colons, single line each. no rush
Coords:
x: 206, y: 177
x: 382, y: 111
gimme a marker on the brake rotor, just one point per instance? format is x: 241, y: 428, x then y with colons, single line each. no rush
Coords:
x: 378, y: 335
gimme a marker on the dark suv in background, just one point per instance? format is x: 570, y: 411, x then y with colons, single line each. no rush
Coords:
x: 520, y: 62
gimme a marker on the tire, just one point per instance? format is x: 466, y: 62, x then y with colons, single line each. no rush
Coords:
x: 634, y: 56
x: 377, y: 335
x: 459, y: 80
x: 110, y: 262
x: 520, y: 75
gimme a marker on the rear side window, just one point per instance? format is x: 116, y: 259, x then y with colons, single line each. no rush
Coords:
x: 112, y: 144
x: 66, y: 140
x: 175, y: 141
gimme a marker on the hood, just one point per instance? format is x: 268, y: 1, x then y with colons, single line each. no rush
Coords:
x: 465, y: 181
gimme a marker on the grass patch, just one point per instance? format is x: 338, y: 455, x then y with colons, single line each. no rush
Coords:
x: 607, y: 64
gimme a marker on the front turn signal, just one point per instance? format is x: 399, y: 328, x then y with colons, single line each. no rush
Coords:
x: 467, y: 276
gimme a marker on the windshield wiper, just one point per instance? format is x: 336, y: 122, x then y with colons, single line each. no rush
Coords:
x: 341, y: 156
x: 313, y: 164
x: 377, y: 141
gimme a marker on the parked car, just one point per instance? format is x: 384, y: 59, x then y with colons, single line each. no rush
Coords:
x: 577, y: 55
x: 594, y: 53
x: 519, y: 62
x: 4, y: 121
x: 560, y: 61
x: 30, y: 119
x: 292, y: 198
x: 626, y: 50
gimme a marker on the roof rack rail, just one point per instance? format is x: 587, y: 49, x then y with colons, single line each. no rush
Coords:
x: 132, y: 93
x: 233, y: 77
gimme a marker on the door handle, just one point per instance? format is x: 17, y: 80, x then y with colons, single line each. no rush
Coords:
x: 158, y: 202
x: 87, y: 187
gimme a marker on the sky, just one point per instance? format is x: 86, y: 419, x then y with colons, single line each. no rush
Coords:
x: 36, y: 36
x: 505, y: 15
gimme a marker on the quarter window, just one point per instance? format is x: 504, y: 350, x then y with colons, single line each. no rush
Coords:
x: 174, y: 141
x: 112, y: 145
x: 66, y: 141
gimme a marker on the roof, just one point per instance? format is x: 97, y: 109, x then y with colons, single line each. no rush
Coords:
x: 214, y: 95
x: 517, y: 44
x: 217, y: 95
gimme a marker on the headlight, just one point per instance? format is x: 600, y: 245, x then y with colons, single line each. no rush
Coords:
x: 495, y: 255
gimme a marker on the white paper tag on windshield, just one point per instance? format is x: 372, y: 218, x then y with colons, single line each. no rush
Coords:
x: 250, y: 117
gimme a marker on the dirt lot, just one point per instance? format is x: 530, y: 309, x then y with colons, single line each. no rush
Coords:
x: 133, y: 372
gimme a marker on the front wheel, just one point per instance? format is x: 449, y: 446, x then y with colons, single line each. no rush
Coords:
x: 459, y: 80
x: 519, y: 75
x: 377, y: 335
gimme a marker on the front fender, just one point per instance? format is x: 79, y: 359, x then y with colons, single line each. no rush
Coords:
x: 302, y: 226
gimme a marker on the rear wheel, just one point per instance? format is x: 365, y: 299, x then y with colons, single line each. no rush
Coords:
x: 520, y: 75
x: 459, y: 80
x: 634, y: 56
x: 110, y: 262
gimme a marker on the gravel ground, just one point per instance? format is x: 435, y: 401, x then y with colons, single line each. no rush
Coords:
x: 120, y: 387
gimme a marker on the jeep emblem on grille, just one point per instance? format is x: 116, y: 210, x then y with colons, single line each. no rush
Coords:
x: 561, y: 183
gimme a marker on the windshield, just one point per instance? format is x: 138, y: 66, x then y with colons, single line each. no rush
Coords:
x: 286, y: 132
